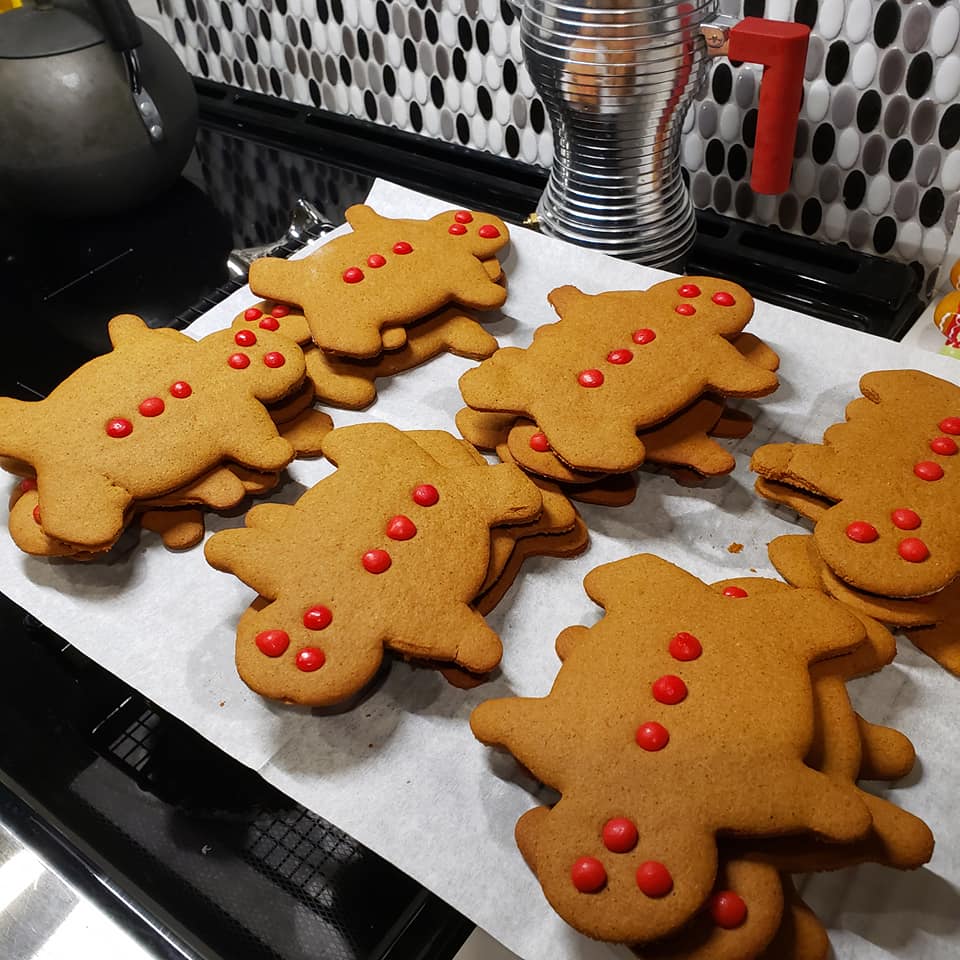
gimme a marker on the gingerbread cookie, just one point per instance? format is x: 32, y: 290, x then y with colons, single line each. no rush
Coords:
x: 387, y: 273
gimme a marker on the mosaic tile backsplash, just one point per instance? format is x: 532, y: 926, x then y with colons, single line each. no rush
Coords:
x: 877, y: 164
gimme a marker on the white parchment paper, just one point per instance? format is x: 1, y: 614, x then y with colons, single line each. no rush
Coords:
x: 400, y: 771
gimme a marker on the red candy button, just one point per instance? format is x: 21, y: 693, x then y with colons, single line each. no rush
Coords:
x: 950, y: 425
x: 252, y: 313
x: 238, y: 361
x: 733, y: 591
x: 928, y: 470
x: 457, y: 229
x: 669, y: 689
x: 151, y: 407
x: 269, y: 323
x: 310, y: 659
x: 862, y: 532
x: 727, y: 909
x: 685, y: 646
x: 401, y: 247
x: 463, y: 216
x: 245, y: 338
x: 352, y: 275
x: 36, y: 513
x: 426, y: 495
x: 489, y: 232
x: 590, y: 378
x: 27, y: 484
x: 376, y: 260
x: 619, y: 835
x: 273, y: 643
x: 273, y: 359
x: 654, y: 879
x: 685, y: 309
x: 652, y: 736
x: 279, y: 310
x: 376, y: 561
x: 401, y: 528
x: 181, y: 390
x: 913, y: 550
x: 118, y: 427
x: 689, y: 290
x: 588, y: 875
x: 945, y: 446
x: 904, y: 519
x: 619, y: 356
x: 644, y: 335
x: 723, y: 299
x: 540, y: 443
x: 317, y: 618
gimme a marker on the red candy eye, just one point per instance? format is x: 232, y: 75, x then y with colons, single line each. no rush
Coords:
x: 401, y: 528
x: 654, y: 879
x: 489, y: 232
x: 245, y: 338
x: 118, y: 427
x: 317, y: 618
x: 457, y: 229
x: 733, y: 591
x: 27, y: 484
x: 905, y: 519
x: 685, y: 646
x: 928, y: 470
x: 273, y: 359
x: 669, y: 689
x: 862, y: 532
x: 950, y: 425
x: 376, y: 260
x: 652, y: 736
x: 463, y: 216
x: 279, y: 310
x: 727, y: 909
x: 352, y: 275
x: 426, y: 495
x: 401, y: 247
x: 181, y: 390
x: 310, y: 659
x: 273, y: 643
x: 685, y: 309
x: 619, y: 356
x: 540, y: 443
x: 945, y: 446
x: 913, y: 550
x: 619, y: 835
x: 376, y: 561
x: 269, y: 323
x: 689, y: 290
x: 590, y: 378
x: 588, y: 875
x: 723, y: 299
x: 644, y: 335
x: 36, y: 513
x: 252, y: 314
x: 151, y: 407
x: 239, y: 361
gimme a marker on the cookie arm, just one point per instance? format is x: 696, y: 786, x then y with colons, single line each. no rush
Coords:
x: 241, y: 553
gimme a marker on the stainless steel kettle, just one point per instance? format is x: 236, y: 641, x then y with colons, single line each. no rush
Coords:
x: 97, y: 114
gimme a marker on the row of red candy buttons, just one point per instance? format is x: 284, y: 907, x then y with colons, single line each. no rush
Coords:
x: 620, y: 835
x: 274, y: 643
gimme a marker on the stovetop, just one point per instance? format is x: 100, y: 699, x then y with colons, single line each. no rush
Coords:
x: 197, y: 855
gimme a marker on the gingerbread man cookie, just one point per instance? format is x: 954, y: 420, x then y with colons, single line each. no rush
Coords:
x: 387, y: 273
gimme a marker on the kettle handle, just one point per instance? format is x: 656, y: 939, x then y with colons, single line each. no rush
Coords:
x: 119, y: 23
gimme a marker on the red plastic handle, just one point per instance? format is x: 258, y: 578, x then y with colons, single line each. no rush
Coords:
x: 782, y: 49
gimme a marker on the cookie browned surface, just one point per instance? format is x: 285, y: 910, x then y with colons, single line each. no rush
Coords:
x: 387, y: 273
x: 597, y: 376
x: 621, y: 739
x: 147, y: 418
x: 340, y: 565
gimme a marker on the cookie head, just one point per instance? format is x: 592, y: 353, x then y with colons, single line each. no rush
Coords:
x: 267, y: 364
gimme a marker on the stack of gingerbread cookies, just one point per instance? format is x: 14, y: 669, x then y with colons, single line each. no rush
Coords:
x: 704, y: 748
x: 881, y: 492
x: 385, y: 297
x: 623, y: 378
